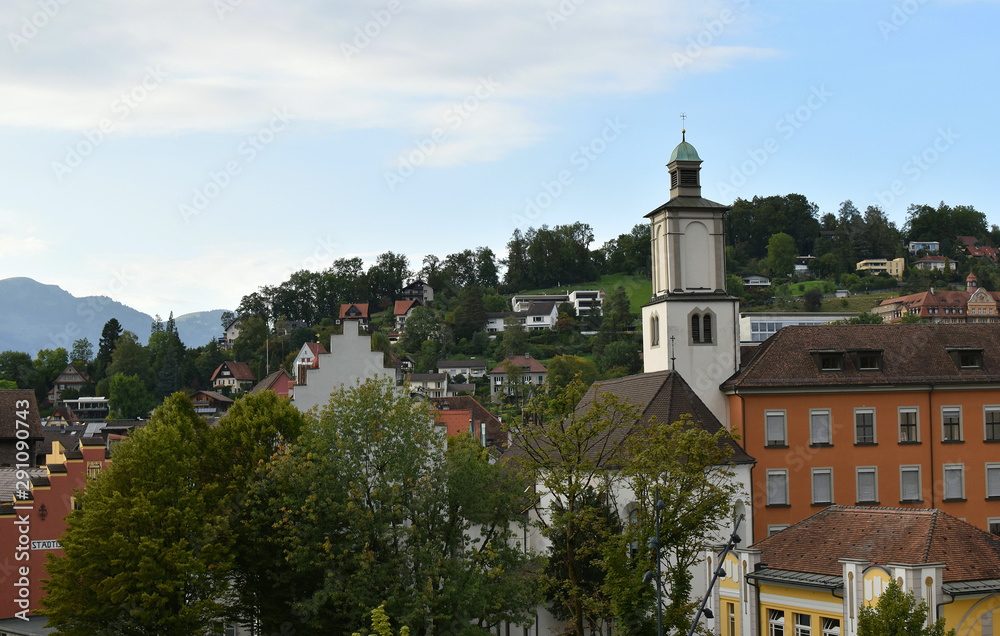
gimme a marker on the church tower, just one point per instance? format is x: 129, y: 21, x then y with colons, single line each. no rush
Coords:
x: 691, y: 324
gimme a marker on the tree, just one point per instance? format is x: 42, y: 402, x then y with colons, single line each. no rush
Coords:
x: 131, y: 358
x: 423, y: 325
x: 387, y: 277
x: 470, y: 315
x: 369, y: 509
x: 144, y: 554
x: 563, y: 369
x: 781, y: 254
x: 17, y: 367
x: 568, y: 449
x: 48, y: 365
x: 128, y: 397
x: 105, y: 347
x: 81, y: 354
x: 813, y: 299
x: 898, y: 614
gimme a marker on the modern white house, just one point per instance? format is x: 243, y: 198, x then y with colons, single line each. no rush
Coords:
x: 585, y: 301
x: 469, y: 368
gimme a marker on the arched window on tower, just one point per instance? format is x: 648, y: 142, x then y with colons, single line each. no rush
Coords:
x: 654, y: 330
x: 702, y: 327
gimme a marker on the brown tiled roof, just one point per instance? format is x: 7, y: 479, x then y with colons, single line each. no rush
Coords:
x: 316, y: 348
x: 882, y: 536
x: 240, y: 370
x: 9, y: 413
x: 69, y: 437
x: 494, y: 429
x: 361, y: 307
x: 911, y: 354
x: 402, y: 306
x: 268, y: 382
x: 427, y: 377
x: 663, y: 395
x: 529, y: 364
x: 215, y: 395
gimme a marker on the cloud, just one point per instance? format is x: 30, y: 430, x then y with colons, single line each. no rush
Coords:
x: 389, y: 64
x: 20, y: 237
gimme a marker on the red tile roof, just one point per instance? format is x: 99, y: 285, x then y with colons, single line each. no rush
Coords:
x: 403, y: 306
x: 455, y: 421
x: 883, y: 536
x: 361, y: 310
x: 911, y: 354
x: 529, y: 364
x: 316, y: 348
x: 494, y: 429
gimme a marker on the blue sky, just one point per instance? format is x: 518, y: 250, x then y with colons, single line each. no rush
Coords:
x: 178, y: 154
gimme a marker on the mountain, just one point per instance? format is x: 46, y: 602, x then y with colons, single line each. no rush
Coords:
x: 35, y: 316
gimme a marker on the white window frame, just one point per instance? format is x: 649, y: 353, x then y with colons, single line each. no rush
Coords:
x: 868, y: 470
x: 960, y: 468
x: 993, y: 525
x: 802, y: 628
x: 899, y: 418
x: 777, y: 472
x: 910, y: 468
x: 961, y: 435
x: 990, y: 408
x: 860, y: 411
x: 995, y: 468
x: 829, y: 425
x: 828, y: 628
x: 775, y: 622
x: 784, y: 428
x: 828, y: 472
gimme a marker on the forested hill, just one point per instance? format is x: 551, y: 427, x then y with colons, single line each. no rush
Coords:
x: 36, y: 316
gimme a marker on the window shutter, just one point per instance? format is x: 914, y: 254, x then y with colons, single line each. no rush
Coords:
x: 821, y: 428
x: 993, y: 482
x: 866, y: 486
x: 911, y: 485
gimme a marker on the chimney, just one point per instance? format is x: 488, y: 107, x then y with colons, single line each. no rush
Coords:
x: 932, y: 291
x: 527, y: 355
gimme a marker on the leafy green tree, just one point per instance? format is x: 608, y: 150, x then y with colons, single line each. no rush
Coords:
x: 563, y: 369
x: 424, y: 324
x: 48, y: 365
x: 144, y: 555
x: 689, y: 466
x: 368, y: 508
x: 569, y: 450
x: 486, y: 268
x: 81, y: 354
x: 470, y: 315
x: 387, y: 277
x: 7, y: 385
x: 514, y: 339
x: 898, y: 614
x: 751, y: 223
x: 128, y: 397
x: 628, y: 253
x: 781, y: 254
x: 17, y: 367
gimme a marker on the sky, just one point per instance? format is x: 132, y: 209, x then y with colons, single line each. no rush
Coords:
x: 178, y: 154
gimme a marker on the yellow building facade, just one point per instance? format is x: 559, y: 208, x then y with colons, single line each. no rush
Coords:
x: 813, y: 578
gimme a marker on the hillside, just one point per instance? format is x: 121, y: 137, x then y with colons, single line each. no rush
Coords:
x: 35, y: 316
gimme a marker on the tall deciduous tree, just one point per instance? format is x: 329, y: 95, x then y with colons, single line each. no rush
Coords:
x: 368, y: 508
x: 127, y: 397
x: 781, y: 253
x: 569, y: 450
x: 144, y: 555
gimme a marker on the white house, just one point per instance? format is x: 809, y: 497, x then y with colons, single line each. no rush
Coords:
x: 469, y: 368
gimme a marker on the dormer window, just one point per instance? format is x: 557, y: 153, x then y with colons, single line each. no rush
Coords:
x: 967, y: 358
x: 828, y: 361
x: 867, y: 360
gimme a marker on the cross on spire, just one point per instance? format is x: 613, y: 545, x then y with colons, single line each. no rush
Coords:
x: 683, y: 118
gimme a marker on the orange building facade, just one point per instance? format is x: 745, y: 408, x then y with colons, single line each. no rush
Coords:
x: 32, y: 522
x: 882, y: 415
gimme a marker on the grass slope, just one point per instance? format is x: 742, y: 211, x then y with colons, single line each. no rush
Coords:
x: 638, y: 288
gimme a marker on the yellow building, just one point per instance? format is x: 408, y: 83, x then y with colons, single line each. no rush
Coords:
x: 812, y: 578
x: 895, y: 267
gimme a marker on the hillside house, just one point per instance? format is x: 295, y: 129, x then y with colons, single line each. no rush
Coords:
x: 234, y: 376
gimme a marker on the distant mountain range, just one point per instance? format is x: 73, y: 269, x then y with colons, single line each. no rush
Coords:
x: 35, y: 316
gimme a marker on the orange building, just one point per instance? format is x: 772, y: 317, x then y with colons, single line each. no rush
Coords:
x: 904, y: 415
x: 35, y: 503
